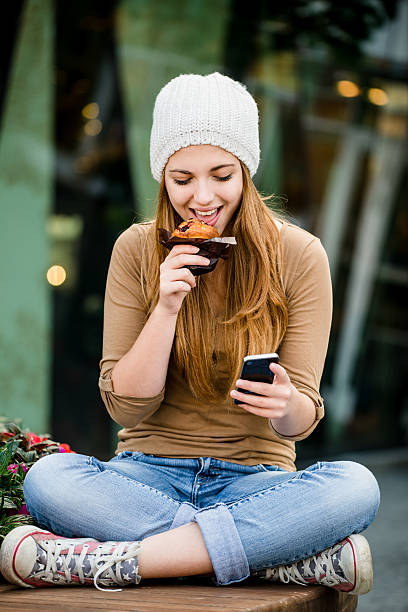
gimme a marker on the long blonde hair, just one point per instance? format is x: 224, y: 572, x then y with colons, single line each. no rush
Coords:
x: 256, y: 311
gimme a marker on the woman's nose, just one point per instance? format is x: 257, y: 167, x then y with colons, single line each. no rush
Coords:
x: 203, y: 194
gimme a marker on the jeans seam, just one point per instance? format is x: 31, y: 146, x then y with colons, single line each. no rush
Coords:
x: 136, y: 482
x: 251, y: 496
x: 296, y: 476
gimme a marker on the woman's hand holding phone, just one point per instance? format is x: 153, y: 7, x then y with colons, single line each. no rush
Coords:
x: 175, y: 279
x: 269, y: 400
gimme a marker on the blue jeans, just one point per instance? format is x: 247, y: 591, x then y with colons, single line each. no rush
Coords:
x: 251, y: 517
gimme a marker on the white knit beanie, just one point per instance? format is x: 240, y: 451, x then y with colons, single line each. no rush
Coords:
x: 214, y: 109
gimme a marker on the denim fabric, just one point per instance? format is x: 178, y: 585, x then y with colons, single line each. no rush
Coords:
x: 251, y: 517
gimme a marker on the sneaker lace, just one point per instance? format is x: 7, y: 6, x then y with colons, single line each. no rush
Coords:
x: 323, y: 571
x: 103, y: 560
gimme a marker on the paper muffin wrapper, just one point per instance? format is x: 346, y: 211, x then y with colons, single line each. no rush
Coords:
x: 213, y: 249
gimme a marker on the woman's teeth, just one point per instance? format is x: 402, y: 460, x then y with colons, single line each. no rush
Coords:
x: 206, y: 214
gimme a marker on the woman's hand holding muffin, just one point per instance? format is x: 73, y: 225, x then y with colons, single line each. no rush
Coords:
x: 175, y: 279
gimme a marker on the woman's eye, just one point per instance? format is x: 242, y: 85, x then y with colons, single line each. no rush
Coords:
x: 179, y: 182
x: 217, y: 178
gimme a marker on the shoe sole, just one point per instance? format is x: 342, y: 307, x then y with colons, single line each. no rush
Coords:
x: 364, y: 565
x: 7, y: 551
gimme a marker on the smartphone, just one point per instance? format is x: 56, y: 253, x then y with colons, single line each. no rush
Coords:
x: 256, y: 367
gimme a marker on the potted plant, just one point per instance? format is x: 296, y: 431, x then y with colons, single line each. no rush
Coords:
x: 19, y: 450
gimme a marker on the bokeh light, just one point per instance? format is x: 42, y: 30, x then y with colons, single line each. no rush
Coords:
x: 348, y: 89
x: 377, y: 96
x: 93, y: 127
x: 56, y: 275
x: 91, y: 110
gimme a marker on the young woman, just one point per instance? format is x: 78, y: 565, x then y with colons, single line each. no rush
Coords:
x: 199, y: 484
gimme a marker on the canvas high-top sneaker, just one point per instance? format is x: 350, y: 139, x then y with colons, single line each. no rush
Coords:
x: 346, y: 566
x: 33, y: 557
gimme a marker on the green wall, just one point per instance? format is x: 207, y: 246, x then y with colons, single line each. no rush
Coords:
x: 25, y: 201
x: 157, y: 41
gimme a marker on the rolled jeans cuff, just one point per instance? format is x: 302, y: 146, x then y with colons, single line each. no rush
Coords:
x: 185, y: 514
x: 223, y: 544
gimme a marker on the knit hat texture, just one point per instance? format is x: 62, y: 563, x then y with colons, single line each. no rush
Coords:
x: 213, y: 109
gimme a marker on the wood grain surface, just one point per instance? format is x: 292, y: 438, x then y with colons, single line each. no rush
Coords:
x: 170, y: 595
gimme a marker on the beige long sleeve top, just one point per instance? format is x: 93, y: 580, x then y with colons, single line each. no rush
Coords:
x: 176, y: 424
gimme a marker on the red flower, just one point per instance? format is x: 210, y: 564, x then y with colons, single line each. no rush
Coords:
x: 34, y: 439
x: 5, y: 434
x: 65, y: 448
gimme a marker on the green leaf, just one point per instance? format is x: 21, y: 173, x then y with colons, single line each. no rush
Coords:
x: 7, y: 523
x: 13, y: 428
x: 9, y: 504
x: 31, y: 456
x: 24, y: 456
x: 52, y: 448
x: 7, y: 452
x: 15, y: 485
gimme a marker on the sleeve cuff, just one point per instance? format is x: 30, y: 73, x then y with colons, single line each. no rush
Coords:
x: 105, y: 384
x: 126, y: 410
x: 318, y: 401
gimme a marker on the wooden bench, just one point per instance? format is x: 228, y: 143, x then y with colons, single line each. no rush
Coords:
x: 192, y: 596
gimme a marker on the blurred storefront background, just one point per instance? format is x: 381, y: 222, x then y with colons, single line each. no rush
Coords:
x: 77, y: 86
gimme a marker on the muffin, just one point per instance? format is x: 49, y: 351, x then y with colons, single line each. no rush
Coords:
x: 193, y: 229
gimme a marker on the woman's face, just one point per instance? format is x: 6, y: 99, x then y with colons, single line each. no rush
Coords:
x: 205, y: 182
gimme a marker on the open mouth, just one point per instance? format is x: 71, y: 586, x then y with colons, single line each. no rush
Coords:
x: 209, y: 216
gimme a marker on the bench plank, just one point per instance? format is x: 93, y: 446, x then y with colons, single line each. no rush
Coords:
x: 168, y: 595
